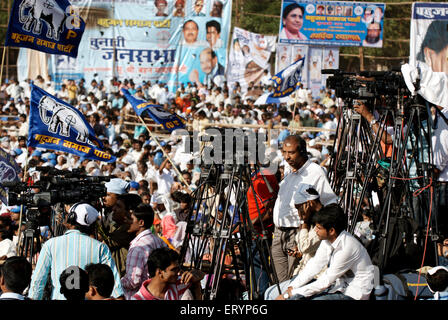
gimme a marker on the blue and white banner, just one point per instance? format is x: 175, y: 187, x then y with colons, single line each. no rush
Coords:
x: 9, y: 172
x: 172, y: 42
x: 51, y: 26
x: 170, y: 121
x: 332, y: 23
x: 56, y: 125
x: 286, y: 81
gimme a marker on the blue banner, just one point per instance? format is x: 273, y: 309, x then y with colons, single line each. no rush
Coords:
x: 56, y: 125
x: 332, y: 23
x: 170, y: 121
x: 150, y: 41
x: 9, y: 172
x: 286, y: 81
x: 51, y: 26
x: 430, y: 11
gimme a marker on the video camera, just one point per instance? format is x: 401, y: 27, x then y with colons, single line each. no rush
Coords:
x: 54, y: 186
x: 366, y: 84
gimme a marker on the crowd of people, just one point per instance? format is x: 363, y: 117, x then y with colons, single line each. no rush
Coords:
x: 127, y: 246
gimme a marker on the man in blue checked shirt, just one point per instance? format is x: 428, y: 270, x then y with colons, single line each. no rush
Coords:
x: 74, y: 248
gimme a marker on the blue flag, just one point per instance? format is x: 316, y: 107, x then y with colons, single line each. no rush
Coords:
x: 51, y: 26
x: 56, y: 125
x: 170, y: 121
x: 9, y: 172
x: 286, y: 81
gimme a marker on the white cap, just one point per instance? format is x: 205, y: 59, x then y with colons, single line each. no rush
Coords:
x: 85, y: 214
x: 302, y: 194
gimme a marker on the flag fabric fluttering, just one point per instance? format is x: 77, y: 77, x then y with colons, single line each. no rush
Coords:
x: 287, y: 80
x: 51, y: 26
x: 170, y: 121
x: 9, y: 172
x: 56, y: 125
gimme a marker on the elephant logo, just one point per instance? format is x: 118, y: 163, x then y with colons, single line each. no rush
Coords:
x: 7, y: 173
x: 33, y: 12
x: 160, y: 113
x: 62, y: 118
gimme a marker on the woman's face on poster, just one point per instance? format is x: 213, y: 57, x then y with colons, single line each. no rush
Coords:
x: 294, y: 21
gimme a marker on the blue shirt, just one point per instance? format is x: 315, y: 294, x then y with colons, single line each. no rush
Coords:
x: 73, y: 248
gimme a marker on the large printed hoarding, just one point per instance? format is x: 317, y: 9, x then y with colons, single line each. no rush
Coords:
x: 429, y: 35
x: 171, y: 41
x: 249, y: 56
x: 332, y: 23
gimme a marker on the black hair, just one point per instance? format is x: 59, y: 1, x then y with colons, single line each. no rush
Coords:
x: 131, y: 200
x: 291, y: 7
x: 161, y: 258
x: 74, y: 283
x: 331, y: 216
x: 144, y: 212
x: 438, y: 281
x: 16, y: 272
x: 213, y: 23
x: 101, y: 277
x: 5, y: 234
x: 183, y: 27
x: 436, y: 38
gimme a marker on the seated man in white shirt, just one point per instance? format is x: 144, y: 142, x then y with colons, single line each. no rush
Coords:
x: 349, y: 273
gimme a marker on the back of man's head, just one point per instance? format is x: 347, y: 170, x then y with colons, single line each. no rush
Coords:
x: 16, y: 273
x: 102, y: 278
x: 74, y: 283
x: 437, y: 279
x: 161, y: 258
x: 331, y: 216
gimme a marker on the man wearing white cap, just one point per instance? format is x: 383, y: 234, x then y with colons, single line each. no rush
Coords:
x: 74, y: 248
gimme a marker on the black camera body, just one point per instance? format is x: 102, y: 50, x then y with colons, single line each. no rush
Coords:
x: 56, y: 186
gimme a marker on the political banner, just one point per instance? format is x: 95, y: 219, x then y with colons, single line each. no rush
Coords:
x: 332, y: 23
x: 51, y: 26
x: 170, y: 121
x: 286, y: 81
x: 428, y: 39
x: 9, y: 172
x: 56, y: 125
x: 318, y: 58
x: 171, y: 42
x: 249, y: 56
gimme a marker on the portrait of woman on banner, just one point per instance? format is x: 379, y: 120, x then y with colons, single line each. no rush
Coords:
x: 292, y: 20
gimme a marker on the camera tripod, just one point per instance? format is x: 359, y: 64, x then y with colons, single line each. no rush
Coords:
x: 219, y: 226
x: 387, y: 178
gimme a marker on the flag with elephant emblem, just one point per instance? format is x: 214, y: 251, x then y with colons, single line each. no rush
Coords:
x: 56, y: 125
x: 51, y: 26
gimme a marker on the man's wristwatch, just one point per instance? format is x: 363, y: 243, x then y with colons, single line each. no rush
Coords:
x: 286, y: 295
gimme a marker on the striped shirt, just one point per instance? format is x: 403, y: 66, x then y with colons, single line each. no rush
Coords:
x: 137, y: 260
x: 71, y: 249
x: 174, y: 292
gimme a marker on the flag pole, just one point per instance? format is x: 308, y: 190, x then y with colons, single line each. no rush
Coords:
x: 3, y: 63
x: 25, y: 171
x: 164, y: 152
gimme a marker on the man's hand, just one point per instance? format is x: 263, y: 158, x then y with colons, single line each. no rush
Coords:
x: 192, y: 276
x: 289, y: 291
x: 362, y: 110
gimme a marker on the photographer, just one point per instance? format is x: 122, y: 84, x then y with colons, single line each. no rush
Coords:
x: 74, y: 248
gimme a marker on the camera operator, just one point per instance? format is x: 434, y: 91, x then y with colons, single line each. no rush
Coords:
x: 76, y: 247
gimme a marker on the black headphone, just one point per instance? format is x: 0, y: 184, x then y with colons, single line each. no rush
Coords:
x: 71, y: 217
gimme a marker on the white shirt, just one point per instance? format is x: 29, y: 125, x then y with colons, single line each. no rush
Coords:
x: 285, y: 212
x: 350, y: 270
x: 7, y: 248
x: 164, y: 181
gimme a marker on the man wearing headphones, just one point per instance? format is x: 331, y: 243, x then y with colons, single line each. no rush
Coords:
x: 285, y: 215
x: 74, y: 248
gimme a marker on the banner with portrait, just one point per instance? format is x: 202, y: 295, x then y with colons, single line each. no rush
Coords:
x: 429, y: 36
x: 249, y: 56
x: 157, y: 40
x: 317, y: 58
x: 332, y: 23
